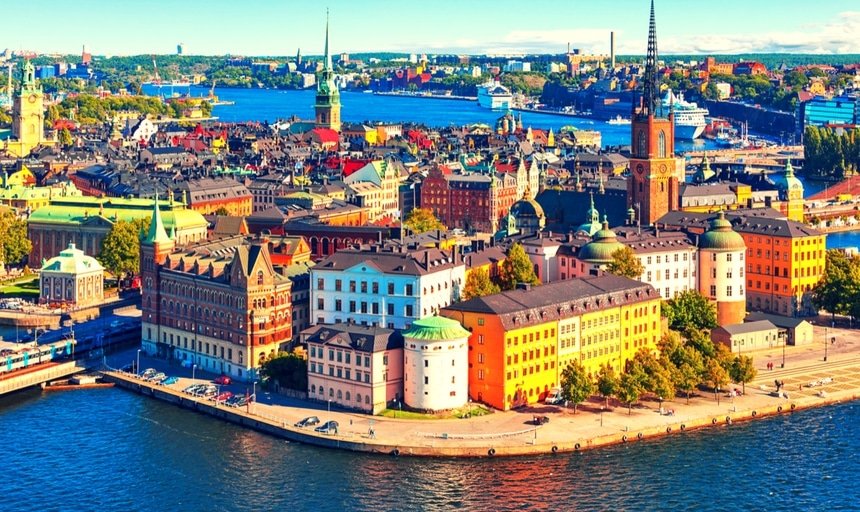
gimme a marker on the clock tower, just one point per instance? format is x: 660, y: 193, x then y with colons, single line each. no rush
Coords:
x: 28, y: 115
x: 327, y: 106
x: 653, y: 186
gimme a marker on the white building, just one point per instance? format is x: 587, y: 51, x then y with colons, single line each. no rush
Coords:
x: 72, y: 278
x: 436, y: 364
x: 518, y: 66
x: 385, y: 286
x: 378, y: 183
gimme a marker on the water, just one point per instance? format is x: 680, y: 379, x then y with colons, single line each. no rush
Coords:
x: 270, y: 104
x: 113, y: 450
x: 843, y: 239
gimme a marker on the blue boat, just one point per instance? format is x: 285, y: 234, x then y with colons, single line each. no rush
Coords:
x: 170, y: 380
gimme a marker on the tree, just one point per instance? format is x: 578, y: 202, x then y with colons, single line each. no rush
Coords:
x: 607, y: 383
x: 629, y: 390
x: 625, y: 263
x: 421, y: 220
x: 839, y: 288
x: 717, y: 376
x: 120, y: 252
x: 690, y: 365
x: 742, y: 371
x: 66, y: 139
x: 576, y: 385
x: 222, y: 211
x: 478, y: 284
x: 288, y: 370
x: 14, y: 243
x: 517, y: 268
x: 690, y: 311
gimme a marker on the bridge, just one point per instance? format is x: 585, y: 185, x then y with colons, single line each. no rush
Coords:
x: 38, y: 375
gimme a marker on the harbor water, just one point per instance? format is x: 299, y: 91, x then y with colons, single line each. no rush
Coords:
x: 112, y: 450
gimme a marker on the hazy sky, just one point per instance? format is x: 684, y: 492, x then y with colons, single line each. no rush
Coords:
x: 279, y: 27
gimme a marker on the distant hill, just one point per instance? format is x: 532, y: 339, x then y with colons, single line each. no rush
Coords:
x: 771, y: 60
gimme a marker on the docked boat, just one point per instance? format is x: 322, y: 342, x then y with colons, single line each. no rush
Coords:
x: 618, y: 120
x: 689, y: 117
x: 495, y: 96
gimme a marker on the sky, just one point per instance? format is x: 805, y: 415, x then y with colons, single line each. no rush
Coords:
x: 280, y: 27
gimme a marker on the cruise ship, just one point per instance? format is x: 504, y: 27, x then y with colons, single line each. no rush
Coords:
x: 495, y: 96
x: 689, y: 117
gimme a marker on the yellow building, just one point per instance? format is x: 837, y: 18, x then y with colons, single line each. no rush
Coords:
x: 24, y: 198
x: 522, y: 340
x: 28, y: 116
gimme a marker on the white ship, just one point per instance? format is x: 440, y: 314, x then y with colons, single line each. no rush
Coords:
x: 689, y: 117
x: 495, y: 96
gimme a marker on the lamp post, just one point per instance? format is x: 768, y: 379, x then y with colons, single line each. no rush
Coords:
x: 329, y: 405
x: 137, y: 367
x: 825, y: 344
x: 193, y: 371
x: 784, y: 341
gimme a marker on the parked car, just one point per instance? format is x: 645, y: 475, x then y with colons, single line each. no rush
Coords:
x: 169, y: 380
x: 540, y: 420
x: 224, y: 396
x: 329, y: 427
x: 308, y: 422
x: 158, y: 377
x: 223, y: 380
x: 149, y: 372
x: 193, y: 388
x: 208, y: 392
x: 554, y: 397
x: 238, y: 401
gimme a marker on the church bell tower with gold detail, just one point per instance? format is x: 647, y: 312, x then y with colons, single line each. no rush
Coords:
x: 653, y: 186
x: 28, y: 115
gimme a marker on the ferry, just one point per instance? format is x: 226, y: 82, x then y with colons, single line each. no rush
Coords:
x: 689, y: 117
x: 618, y: 120
x: 495, y: 96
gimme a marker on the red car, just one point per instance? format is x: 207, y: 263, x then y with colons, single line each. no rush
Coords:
x: 223, y: 380
x: 223, y: 397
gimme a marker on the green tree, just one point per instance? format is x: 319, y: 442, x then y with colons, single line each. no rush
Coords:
x: 742, y: 371
x: 120, y: 251
x: 607, y: 383
x: 839, y: 288
x: 66, y: 139
x: 222, y: 211
x: 690, y: 311
x: 629, y: 390
x: 796, y: 79
x: 625, y: 263
x: 14, y: 243
x: 421, y: 220
x: 478, y: 284
x: 717, y: 376
x: 576, y: 384
x: 288, y: 370
x: 517, y: 268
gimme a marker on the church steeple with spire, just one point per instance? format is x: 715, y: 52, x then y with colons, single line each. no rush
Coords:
x: 655, y: 175
x: 327, y: 104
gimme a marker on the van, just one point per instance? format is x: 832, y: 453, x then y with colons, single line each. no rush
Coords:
x: 554, y: 397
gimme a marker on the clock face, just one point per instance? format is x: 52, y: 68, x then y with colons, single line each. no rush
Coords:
x: 32, y: 98
x: 662, y: 168
x: 640, y: 169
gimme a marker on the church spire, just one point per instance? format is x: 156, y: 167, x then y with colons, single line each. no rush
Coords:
x: 157, y: 234
x: 650, y: 90
x: 327, y: 55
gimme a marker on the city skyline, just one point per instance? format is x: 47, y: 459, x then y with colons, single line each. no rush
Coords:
x: 274, y: 28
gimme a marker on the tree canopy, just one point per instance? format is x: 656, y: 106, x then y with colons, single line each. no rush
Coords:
x: 742, y: 371
x: 517, y: 268
x: 288, y: 370
x: 576, y: 384
x: 689, y: 311
x: 120, y: 251
x: 607, y: 382
x: 479, y: 284
x: 14, y: 243
x: 625, y: 263
x: 421, y: 220
x: 838, y: 291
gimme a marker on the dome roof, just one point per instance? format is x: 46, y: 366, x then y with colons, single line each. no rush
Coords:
x: 721, y: 237
x: 72, y: 261
x: 602, y: 246
x: 436, y: 328
x: 526, y: 207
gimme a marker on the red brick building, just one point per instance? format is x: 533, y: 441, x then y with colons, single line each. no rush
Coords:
x: 470, y: 200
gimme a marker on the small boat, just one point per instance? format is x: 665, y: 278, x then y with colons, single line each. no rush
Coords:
x: 170, y: 380
x: 618, y: 120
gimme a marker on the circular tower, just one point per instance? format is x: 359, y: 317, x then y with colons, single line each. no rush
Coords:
x: 721, y: 270
x: 436, y: 364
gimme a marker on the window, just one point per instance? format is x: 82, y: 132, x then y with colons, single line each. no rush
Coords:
x: 480, y: 321
x: 352, y: 286
x: 409, y: 310
x: 390, y: 308
x: 426, y: 380
x: 713, y: 290
x: 320, y: 283
x: 728, y: 291
x: 385, y: 360
x: 338, y: 285
x: 390, y: 288
x: 338, y: 305
x: 320, y: 303
x: 661, y: 144
x: 364, y: 287
x: 375, y: 288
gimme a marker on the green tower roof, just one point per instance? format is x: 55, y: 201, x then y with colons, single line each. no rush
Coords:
x: 721, y: 236
x: 436, y: 328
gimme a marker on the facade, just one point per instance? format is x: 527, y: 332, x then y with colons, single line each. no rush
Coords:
x: 721, y: 270
x: 72, y: 278
x: 748, y: 336
x: 521, y: 340
x: 385, y: 286
x: 219, y: 304
x: 86, y: 220
x: 28, y: 115
x: 327, y: 106
x: 376, y: 186
x: 28, y: 198
x: 436, y: 364
x: 820, y: 111
x: 354, y: 366
x: 470, y: 201
x: 208, y: 195
x: 653, y: 185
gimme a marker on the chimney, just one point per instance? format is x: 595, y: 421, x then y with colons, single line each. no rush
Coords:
x: 612, y: 50
x: 427, y: 259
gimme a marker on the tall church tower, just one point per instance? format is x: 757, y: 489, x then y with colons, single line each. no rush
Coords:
x: 654, y: 181
x: 327, y: 105
x: 28, y: 114
x: 154, y: 249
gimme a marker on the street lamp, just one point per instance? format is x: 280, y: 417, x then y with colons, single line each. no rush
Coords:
x: 825, y: 344
x: 137, y: 368
x: 193, y: 371
x: 329, y: 405
x: 784, y: 341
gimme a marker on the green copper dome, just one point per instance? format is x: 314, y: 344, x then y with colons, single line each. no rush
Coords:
x: 721, y: 236
x: 592, y: 220
x: 602, y: 246
x: 436, y: 328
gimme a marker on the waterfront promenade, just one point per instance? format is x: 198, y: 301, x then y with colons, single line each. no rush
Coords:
x: 511, y: 433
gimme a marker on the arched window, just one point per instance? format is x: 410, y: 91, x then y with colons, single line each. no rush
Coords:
x: 643, y: 145
x: 661, y: 145
x: 339, y: 395
x: 358, y: 397
x: 367, y: 399
x: 347, y: 396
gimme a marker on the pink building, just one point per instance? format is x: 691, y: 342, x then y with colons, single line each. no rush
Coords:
x: 355, y: 366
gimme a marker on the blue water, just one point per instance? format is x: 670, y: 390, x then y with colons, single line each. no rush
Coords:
x: 270, y: 105
x: 844, y: 239
x: 112, y: 450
